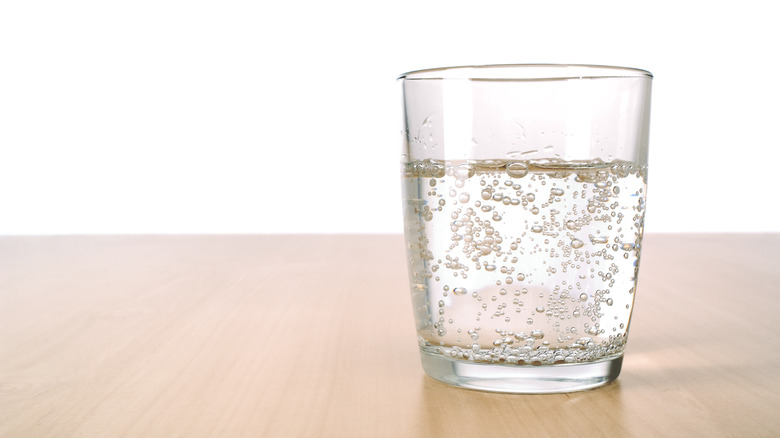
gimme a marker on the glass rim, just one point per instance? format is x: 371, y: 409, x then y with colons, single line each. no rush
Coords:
x: 526, y: 72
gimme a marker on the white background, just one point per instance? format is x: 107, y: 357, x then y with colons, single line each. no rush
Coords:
x: 264, y: 117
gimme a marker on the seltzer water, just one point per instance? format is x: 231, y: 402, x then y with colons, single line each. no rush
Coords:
x: 523, y: 262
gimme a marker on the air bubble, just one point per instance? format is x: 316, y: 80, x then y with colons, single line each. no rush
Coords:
x: 460, y: 291
x: 598, y: 239
x: 466, y: 170
x: 577, y: 243
x: 536, y: 229
x: 517, y: 170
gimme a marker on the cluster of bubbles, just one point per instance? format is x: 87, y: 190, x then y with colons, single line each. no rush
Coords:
x: 526, y: 349
x: 546, y: 245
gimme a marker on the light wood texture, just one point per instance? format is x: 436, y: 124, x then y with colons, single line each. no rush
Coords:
x: 292, y: 336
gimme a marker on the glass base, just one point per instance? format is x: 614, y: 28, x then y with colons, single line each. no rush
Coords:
x: 521, y: 379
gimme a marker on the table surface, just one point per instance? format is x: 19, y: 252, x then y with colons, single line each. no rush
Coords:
x: 313, y: 335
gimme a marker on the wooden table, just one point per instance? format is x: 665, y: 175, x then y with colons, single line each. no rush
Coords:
x: 290, y: 336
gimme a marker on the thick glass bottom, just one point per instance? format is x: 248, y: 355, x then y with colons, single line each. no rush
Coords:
x: 521, y: 379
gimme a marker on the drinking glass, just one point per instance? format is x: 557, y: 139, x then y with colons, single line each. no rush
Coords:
x: 524, y: 193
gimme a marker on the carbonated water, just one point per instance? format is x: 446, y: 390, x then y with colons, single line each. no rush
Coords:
x: 528, y: 262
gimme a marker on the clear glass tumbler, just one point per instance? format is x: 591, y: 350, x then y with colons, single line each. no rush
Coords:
x: 524, y: 198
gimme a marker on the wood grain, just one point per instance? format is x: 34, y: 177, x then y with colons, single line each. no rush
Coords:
x: 313, y: 336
